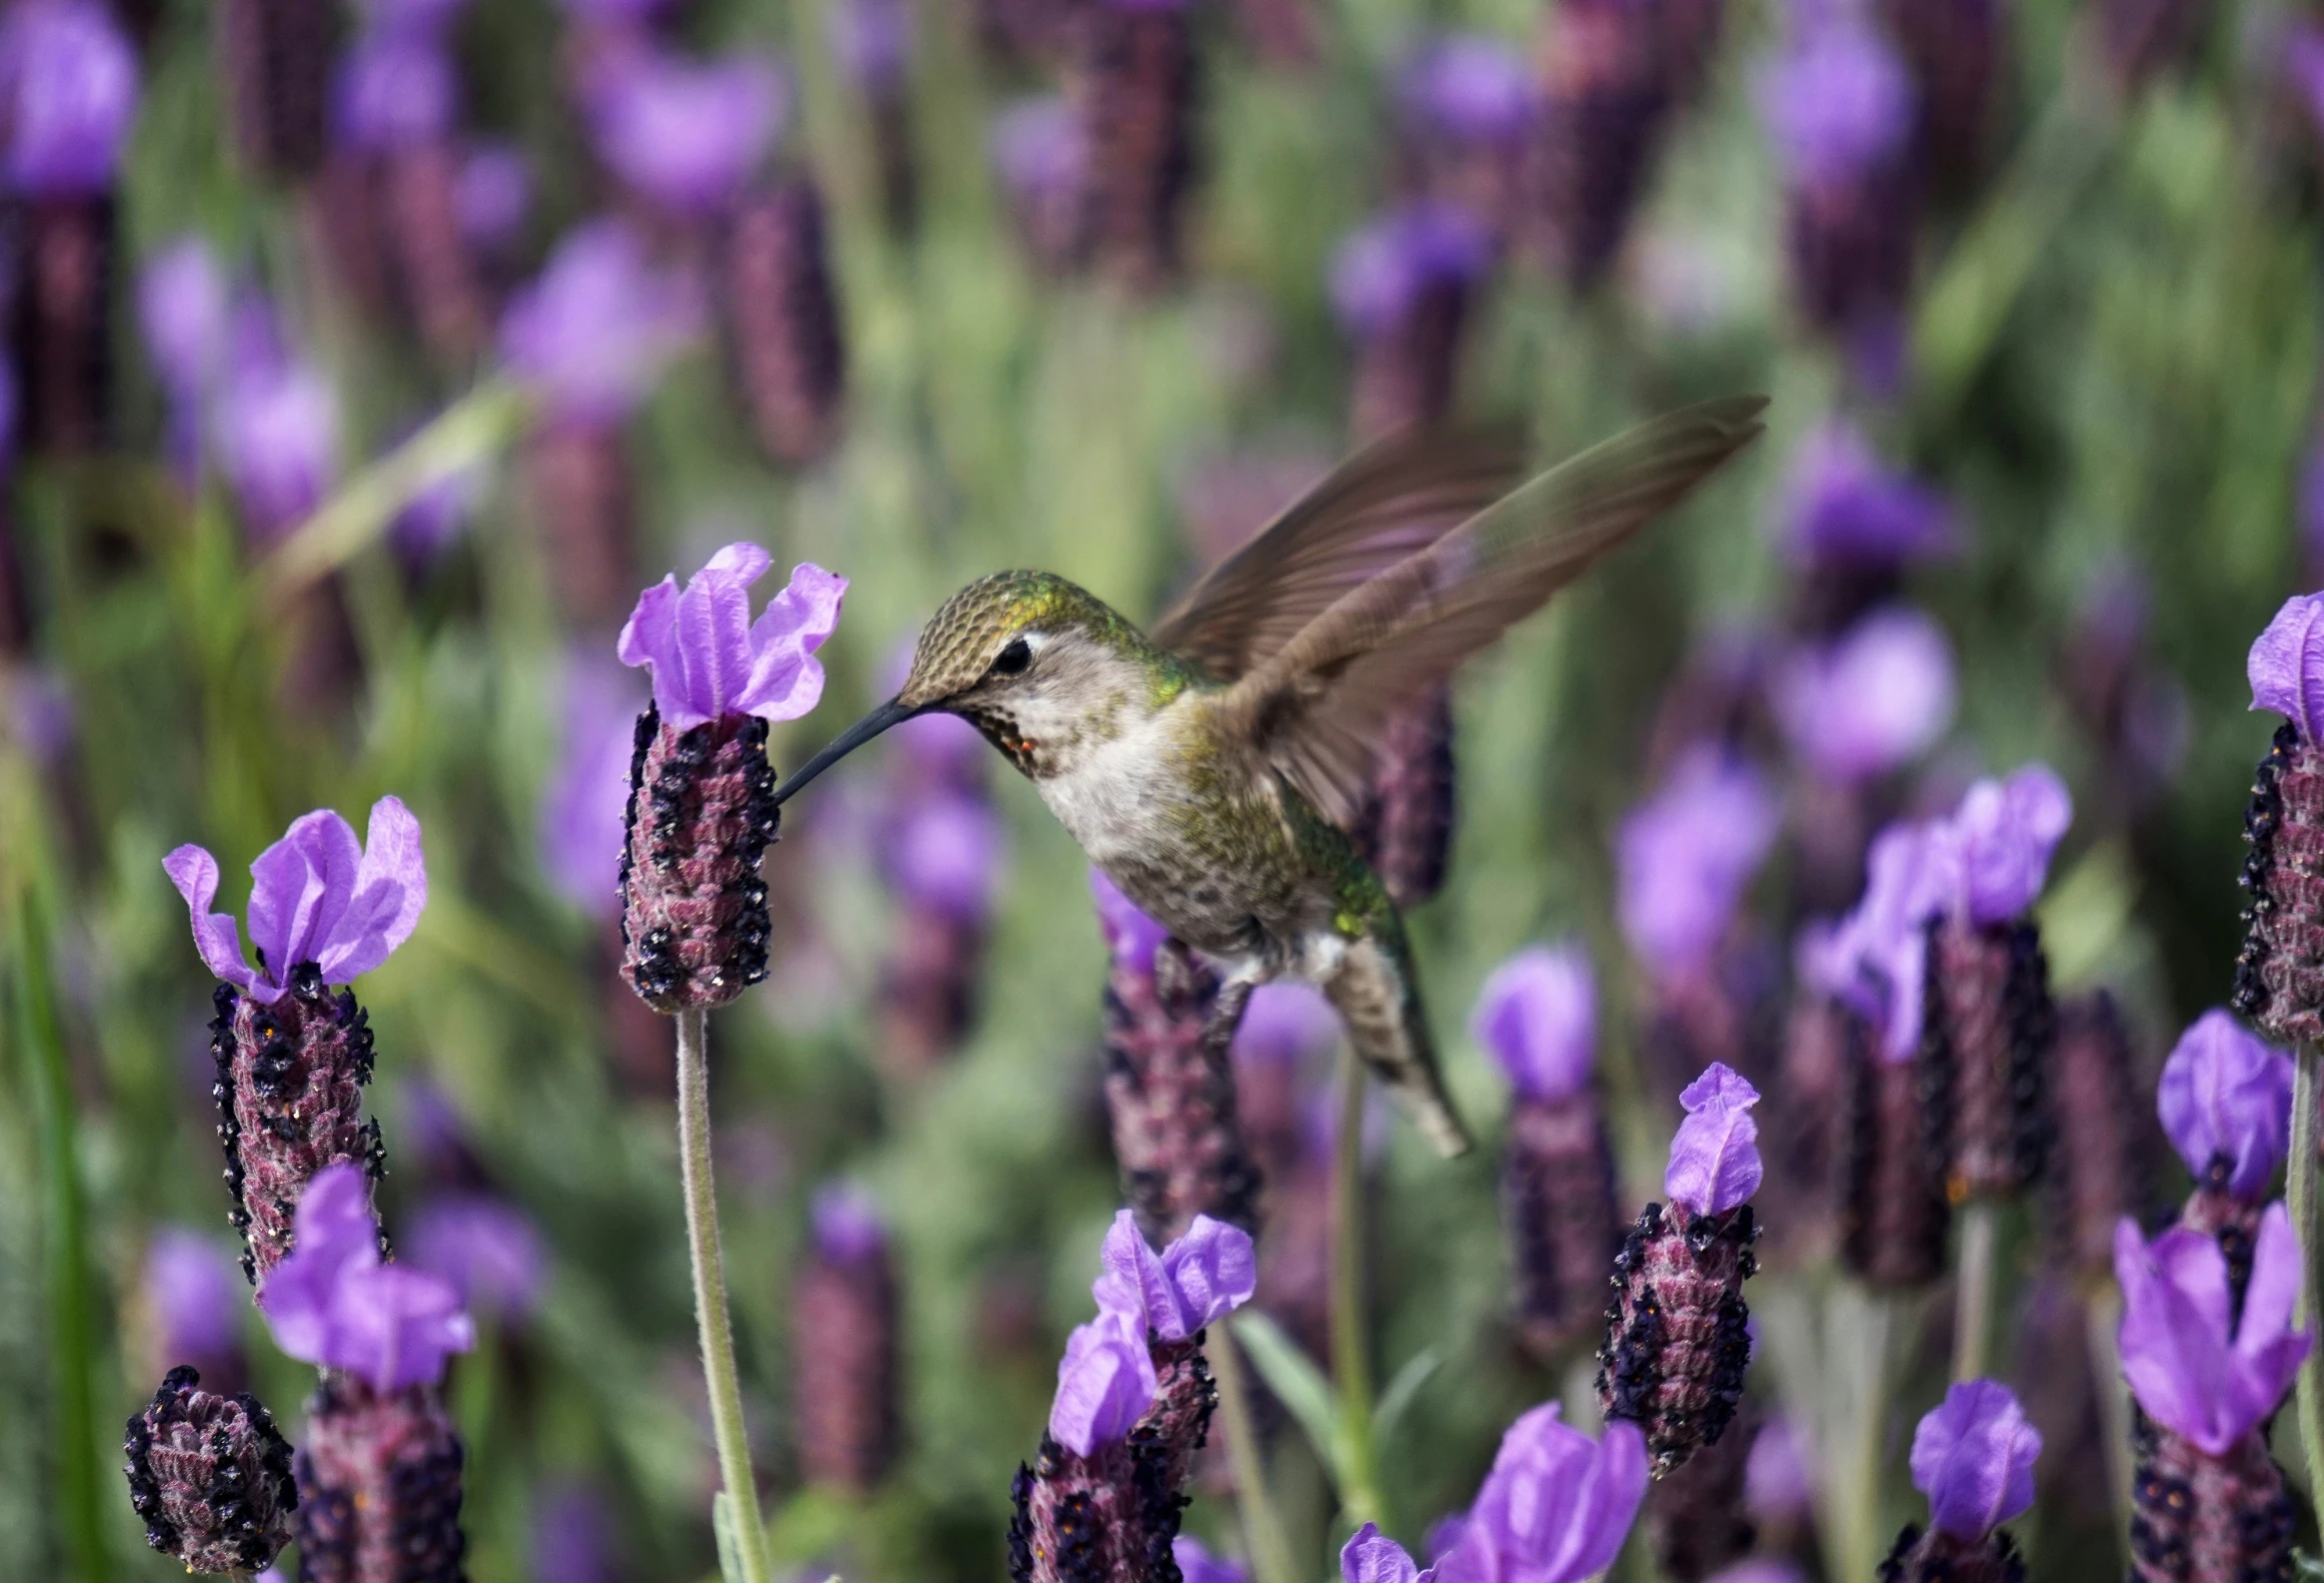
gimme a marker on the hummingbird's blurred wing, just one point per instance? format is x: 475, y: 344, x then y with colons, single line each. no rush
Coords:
x: 1313, y: 708
x: 1375, y: 509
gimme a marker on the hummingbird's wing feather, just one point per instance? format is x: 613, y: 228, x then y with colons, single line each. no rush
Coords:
x: 1375, y: 509
x: 1313, y: 708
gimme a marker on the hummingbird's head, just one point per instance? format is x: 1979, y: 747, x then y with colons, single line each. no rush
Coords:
x: 1026, y: 656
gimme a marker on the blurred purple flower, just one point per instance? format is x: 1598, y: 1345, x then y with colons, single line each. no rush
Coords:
x: 946, y: 852
x: 1778, y: 1483
x: 1973, y: 1457
x: 589, y: 336
x: 1687, y: 856
x: 194, y: 1293
x: 277, y: 424
x: 1105, y: 1382
x: 573, y: 1538
x: 1471, y: 87
x: 332, y: 1302
x: 68, y: 96
x: 1198, y: 1565
x: 2192, y: 1374
x: 1197, y: 1280
x: 1715, y: 1159
x: 1761, y: 1569
x: 1285, y: 1022
x: 487, y: 1247
x: 710, y: 660
x: 495, y: 195
x: 1130, y: 936
x: 396, y: 90
x: 39, y: 711
x: 1380, y: 271
x: 1038, y: 147
x: 1371, y: 1556
x: 1870, y: 700
x: 685, y: 136
x: 1442, y: 1535
x: 872, y: 42
x: 1841, y: 505
x: 182, y: 308
x: 846, y: 1224
x: 1557, y: 1506
x: 1537, y: 1016
x: 1877, y: 958
x: 615, y: 13
x: 438, y: 515
x: 2225, y: 1099
x: 583, y: 814
x: 2286, y: 665
x: 1839, y: 101
x: 1996, y: 847
x: 317, y: 895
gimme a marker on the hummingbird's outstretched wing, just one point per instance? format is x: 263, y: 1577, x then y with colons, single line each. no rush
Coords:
x: 1379, y: 507
x: 1314, y: 707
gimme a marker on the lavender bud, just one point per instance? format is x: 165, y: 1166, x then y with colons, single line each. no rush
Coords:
x: 2203, y: 1516
x: 211, y: 1477
x: 1695, y: 1519
x: 1557, y: 1200
x: 845, y: 1331
x: 1954, y: 48
x: 63, y: 328
x: 1985, y: 1051
x: 2105, y: 1136
x: 1675, y: 1338
x: 1938, y: 1557
x: 1405, y: 830
x: 782, y: 321
x: 379, y: 1486
x: 1133, y: 85
x: 276, y: 56
x: 436, y: 272
x: 1893, y: 1209
x: 576, y: 483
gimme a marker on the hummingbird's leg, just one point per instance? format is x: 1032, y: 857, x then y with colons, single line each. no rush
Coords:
x: 1226, y: 1012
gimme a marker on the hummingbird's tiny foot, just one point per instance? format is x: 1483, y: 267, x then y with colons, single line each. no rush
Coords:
x: 1226, y: 1014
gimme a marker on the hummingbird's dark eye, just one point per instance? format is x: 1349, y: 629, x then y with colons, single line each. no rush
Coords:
x: 1015, y: 660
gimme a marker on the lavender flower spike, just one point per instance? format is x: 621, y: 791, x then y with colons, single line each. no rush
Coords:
x: 1557, y: 1506
x: 2225, y: 1099
x: 1871, y: 700
x: 333, y: 1304
x: 1685, y: 857
x: 709, y: 659
x: 2277, y: 980
x: 1715, y: 1159
x: 2000, y: 842
x: 68, y: 81
x: 1973, y: 1458
x: 1198, y: 1279
x: 317, y: 897
x: 1198, y: 1565
x: 589, y: 336
x: 1371, y: 1556
x: 1538, y: 1017
x: 685, y: 136
x: 2192, y: 1372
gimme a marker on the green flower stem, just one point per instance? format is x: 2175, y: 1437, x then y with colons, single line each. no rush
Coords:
x: 1868, y: 1444
x: 2102, y: 1312
x: 710, y: 1294
x: 2300, y: 1189
x: 1262, y: 1529
x: 1973, y: 1289
x: 1359, y: 1493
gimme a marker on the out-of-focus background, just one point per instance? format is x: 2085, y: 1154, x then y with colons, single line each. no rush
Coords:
x: 365, y: 361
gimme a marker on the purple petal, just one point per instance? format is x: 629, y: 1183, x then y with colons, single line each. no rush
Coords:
x: 487, y: 1248
x: 333, y: 1233
x: 396, y: 1327
x: 1843, y: 507
x: 1687, y: 856
x: 1212, y: 1271
x: 1836, y: 104
x: 285, y: 894
x: 1198, y: 1565
x: 2226, y: 1097
x: 1779, y: 1482
x: 193, y: 1295
x: 391, y: 889
x: 1557, y: 1506
x: 2268, y: 1351
x: 685, y: 136
x: 396, y: 90
x: 650, y: 639
x: 784, y: 679
x: 847, y: 1224
x: 181, y: 306
x: 2286, y: 665
x: 1130, y: 936
x: 591, y: 335
x: 1471, y: 87
x: 1105, y: 1382
x: 1373, y: 1557
x: 1715, y: 1159
x: 69, y: 79
x: 944, y: 853
x: 2173, y: 1338
x: 714, y: 635
x: 1869, y: 701
x: 2002, y: 838
x: 1973, y: 1458
x: 195, y: 872
x: 1285, y: 1023
x: 1133, y: 1284
x: 1537, y: 1016
x: 582, y: 813
x: 1875, y: 961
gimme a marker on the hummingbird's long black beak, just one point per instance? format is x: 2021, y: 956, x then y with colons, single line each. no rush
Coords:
x: 891, y: 712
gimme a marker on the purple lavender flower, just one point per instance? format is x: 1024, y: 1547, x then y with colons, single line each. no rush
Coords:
x: 1876, y: 961
x: 709, y: 659
x: 210, y: 1475
x: 1537, y: 1016
x: 1842, y: 506
x: 1196, y: 1282
x: 68, y: 89
x: 1380, y: 273
x: 2206, y: 1383
x: 487, y: 1249
x: 2277, y: 982
x: 190, y: 1299
x: 1973, y: 1458
x: 1996, y: 846
x: 1715, y: 1159
x: 1130, y: 936
x: 946, y: 852
x: 1198, y: 1565
x: 494, y: 196
x: 1040, y: 149
x: 2225, y: 1099
x: 1864, y: 703
x: 182, y: 308
x: 872, y: 42
x: 277, y: 424
x: 1284, y: 1024
x: 1371, y: 1556
x: 573, y: 1539
x: 2286, y: 664
x: 846, y: 1224
x: 582, y: 813
x: 396, y: 90
x: 687, y: 137
x: 332, y: 1302
x: 844, y: 1340
x: 1105, y: 1382
x: 1469, y: 87
x: 1557, y: 1506
x: 1685, y: 857
x: 1778, y: 1484
x: 1838, y: 102
x: 589, y: 336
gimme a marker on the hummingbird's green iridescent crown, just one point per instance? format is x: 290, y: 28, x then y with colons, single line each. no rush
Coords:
x: 957, y: 646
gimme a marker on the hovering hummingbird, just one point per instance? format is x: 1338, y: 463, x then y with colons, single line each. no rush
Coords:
x: 1211, y: 765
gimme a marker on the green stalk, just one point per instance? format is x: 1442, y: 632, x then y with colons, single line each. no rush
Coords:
x: 2300, y: 1189
x: 1359, y: 1493
x: 1859, y: 1503
x: 2102, y: 1312
x: 1973, y: 1289
x: 710, y: 1295
x: 1262, y: 1529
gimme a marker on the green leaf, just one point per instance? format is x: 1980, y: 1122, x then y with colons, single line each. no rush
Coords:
x: 1298, y: 1383
x: 1404, y: 1390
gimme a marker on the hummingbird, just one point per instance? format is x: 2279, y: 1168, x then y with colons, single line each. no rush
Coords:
x: 1209, y: 765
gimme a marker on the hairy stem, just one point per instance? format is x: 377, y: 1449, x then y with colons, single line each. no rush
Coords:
x: 710, y: 1294
x: 1359, y: 1494
x: 1973, y: 1290
x: 2300, y: 1189
x: 1262, y: 1529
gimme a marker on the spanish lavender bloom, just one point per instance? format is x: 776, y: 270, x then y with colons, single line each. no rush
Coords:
x: 379, y: 1485
x: 1606, y: 94
x: 192, y: 1305
x: 1843, y: 508
x: 781, y: 304
x: 2102, y: 1153
x: 333, y: 1304
x: 1469, y: 87
x: 1537, y: 1016
x: 486, y: 1248
x: 2277, y: 982
x: 1872, y: 699
x: 687, y: 137
x: 1404, y: 828
x: 573, y: 1539
x: 1040, y: 152
x: 1973, y: 1457
x: 1196, y: 1282
x: 589, y: 336
x: 1198, y: 1565
x: 1371, y: 1556
x: 2226, y: 1104
x: 694, y: 910
x: 1401, y: 287
x: 277, y: 426
x: 276, y: 56
x: 1876, y: 959
x: 845, y: 1345
x: 581, y: 812
x: 68, y: 80
x: 494, y: 197
x: 396, y: 91
x: 1557, y: 1506
x: 1133, y: 82
x: 1685, y: 857
x: 1675, y: 1338
x: 210, y: 1476
x: 182, y: 309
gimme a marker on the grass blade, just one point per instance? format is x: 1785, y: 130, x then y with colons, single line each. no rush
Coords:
x: 1298, y: 1383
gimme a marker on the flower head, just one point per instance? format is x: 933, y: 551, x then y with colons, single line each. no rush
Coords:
x: 1972, y: 1456
x: 1557, y: 1506
x: 68, y: 96
x: 211, y: 1476
x: 1471, y: 87
x: 1998, y: 842
x: 2193, y: 1374
x: 1841, y: 505
x: 1196, y: 1282
x: 1838, y: 102
x: 1715, y: 1159
x: 1130, y: 936
x: 396, y: 90
x: 2286, y: 665
x: 589, y: 336
x: 2225, y: 1099
x: 1537, y: 1016
x: 1038, y: 147
x: 1686, y: 854
x: 486, y: 1247
x: 1381, y: 271
x: 332, y: 1302
x: 945, y: 852
x: 316, y: 897
x: 685, y: 136
x: 1105, y: 1382
x: 710, y: 660
x: 277, y: 424
x: 1871, y: 698
x: 1198, y: 1565
x: 1876, y: 959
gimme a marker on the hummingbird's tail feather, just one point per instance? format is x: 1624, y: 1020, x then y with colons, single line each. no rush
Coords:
x: 1377, y: 998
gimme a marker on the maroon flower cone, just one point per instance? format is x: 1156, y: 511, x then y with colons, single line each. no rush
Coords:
x: 345, y: 213
x: 1557, y: 1200
x: 379, y: 1487
x: 210, y: 1476
x: 290, y: 1101
x: 576, y: 477
x: 1405, y: 829
x: 1134, y: 86
x: 1606, y: 92
x: 700, y: 816
x: 1171, y: 1093
x: 1695, y: 1519
x: 1824, y: 1045
x: 1111, y: 1517
x: 927, y: 988
x: 846, y: 1369
x: 1282, y: 33
x: 437, y: 278
x: 2055, y: 1379
x: 2106, y: 1139
x: 1893, y: 1209
x: 1405, y: 376
x: 1676, y: 1341
x: 1955, y: 51
x: 2204, y: 1518
x: 1721, y: 1014
x: 277, y: 57
x: 2279, y: 978
x: 1985, y: 1055
x: 1851, y: 248
x: 1938, y: 1557
x: 63, y: 329
x: 782, y: 321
